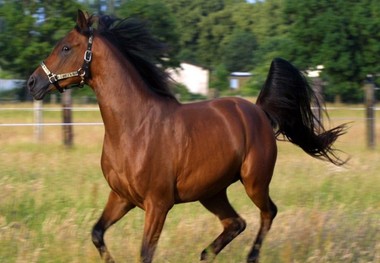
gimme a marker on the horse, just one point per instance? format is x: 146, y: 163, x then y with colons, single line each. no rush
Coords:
x: 158, y: 152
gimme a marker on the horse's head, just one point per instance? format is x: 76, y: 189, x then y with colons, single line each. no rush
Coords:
x: 69, y: 62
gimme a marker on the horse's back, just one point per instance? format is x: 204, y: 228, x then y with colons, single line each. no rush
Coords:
x: 241, y: 121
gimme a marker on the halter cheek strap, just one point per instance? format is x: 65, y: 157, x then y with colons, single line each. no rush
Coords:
x: 83, y: 72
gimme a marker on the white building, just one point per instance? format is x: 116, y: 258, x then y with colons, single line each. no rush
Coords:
x: 195, y: 78
x: 239, y: 79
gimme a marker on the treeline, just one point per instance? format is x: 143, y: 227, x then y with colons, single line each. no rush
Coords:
x: 221, y: 35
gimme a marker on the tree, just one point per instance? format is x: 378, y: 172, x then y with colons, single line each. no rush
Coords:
x: 158, y: 19
x: 15, y: 32
x: 239, y: 51
x: 29, y: 30
x: 219, y: 79
x: 341, y: 35
x: 216, y: 29
x: 194, y: 23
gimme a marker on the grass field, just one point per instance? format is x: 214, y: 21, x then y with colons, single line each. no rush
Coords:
x: 51, y: 196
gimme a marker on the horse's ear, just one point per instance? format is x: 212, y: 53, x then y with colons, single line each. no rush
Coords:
x: 82, y: 20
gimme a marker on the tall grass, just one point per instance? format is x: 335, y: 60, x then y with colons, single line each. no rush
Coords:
x: 50, y: 197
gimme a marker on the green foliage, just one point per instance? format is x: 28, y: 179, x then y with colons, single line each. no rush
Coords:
x: 219, y: 78
x: 13, y: 94
x: 215, y: 29
x: 341, y: 35
x: 252, y: 87
x: 159, y: 20
x: 30, y: 29
x: 183, y: 94
x: 202, y: 26
x: 239, y: 50
x: 344, y: 36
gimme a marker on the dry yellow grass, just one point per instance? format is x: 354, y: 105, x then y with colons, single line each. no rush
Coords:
x: 51, y: 196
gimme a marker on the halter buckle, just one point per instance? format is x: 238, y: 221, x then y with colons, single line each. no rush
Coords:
x: 87, y: 56
x: 81, y: 72
x: 52, y: 78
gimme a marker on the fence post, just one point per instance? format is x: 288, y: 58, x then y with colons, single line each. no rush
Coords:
x: 38, y: 119
x: 317, y: 86
x: 67, y: 118
x: 369, y: 89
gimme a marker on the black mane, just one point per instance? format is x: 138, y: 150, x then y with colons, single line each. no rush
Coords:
x: 140, y: 48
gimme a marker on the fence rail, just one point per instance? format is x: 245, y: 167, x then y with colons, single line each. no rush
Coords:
x: 48, y: 109
x: 83, y: 109
x: 38, y: 123
x: 51, y: 124
x: 97, y: 109
x: 52, y: 109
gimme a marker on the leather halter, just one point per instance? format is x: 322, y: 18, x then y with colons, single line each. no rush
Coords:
x: 83, y: 72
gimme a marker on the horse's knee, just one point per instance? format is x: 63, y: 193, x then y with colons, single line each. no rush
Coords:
x: 233, y: 226
x: 268, y: 214
x: 239, y: 225
x: 270, y: 211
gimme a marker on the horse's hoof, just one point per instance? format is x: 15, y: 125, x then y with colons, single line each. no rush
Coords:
x: 108, y: 259
x: 253, y: 260
x: 207, y: 255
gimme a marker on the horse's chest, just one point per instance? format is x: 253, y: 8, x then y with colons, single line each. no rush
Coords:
x: 123, y: 180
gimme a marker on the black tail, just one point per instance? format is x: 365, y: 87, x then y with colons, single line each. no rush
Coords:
x: 287, y: 99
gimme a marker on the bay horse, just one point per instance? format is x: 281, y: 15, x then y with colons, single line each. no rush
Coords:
x: 158, y: 152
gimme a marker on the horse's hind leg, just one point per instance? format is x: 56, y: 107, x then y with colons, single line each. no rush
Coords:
x: 256, y: 183
x: 268, y: 212
x: 232, y: 223
x: 115, y: 209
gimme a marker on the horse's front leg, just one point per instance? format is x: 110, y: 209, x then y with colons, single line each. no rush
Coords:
x: 115, y: 209
x: 155, y: 215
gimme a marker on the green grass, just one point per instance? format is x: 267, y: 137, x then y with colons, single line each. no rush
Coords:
x: 50, y: 197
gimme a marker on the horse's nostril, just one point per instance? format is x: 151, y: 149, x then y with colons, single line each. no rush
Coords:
x: 31, y: 82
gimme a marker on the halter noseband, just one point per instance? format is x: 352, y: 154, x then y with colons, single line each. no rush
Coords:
x: 82, y: 72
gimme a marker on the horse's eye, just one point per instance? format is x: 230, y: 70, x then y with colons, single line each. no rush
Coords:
x: 65, y: 48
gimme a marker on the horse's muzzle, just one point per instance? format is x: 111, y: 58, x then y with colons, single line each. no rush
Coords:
x: 37, y: 87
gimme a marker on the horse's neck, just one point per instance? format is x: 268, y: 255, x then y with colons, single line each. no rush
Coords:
x: 124, y: 100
